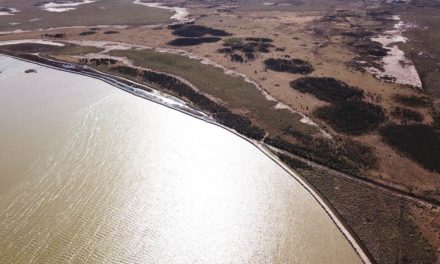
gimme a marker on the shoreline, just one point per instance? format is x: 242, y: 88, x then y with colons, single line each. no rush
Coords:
x: 158, y: 97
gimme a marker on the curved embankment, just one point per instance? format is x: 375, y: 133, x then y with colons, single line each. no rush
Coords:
x: 111, y: 45
x: 176, y: 104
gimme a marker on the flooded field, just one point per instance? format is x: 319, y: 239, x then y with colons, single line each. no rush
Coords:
x: 93, y: 174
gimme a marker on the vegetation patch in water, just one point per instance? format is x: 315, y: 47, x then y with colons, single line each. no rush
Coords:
x: 327, y: 89
x: 419, y: 142
x: 366, y: 47
x: 351, y: 117
x: 289, y: 65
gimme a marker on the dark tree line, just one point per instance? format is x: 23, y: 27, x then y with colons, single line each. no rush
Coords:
x: 193, y: 31
x: 98, y: 61
x: 289, y: 65
x: 223, y: 115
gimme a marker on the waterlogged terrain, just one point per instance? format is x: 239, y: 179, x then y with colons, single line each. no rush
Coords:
x: 93, y: 174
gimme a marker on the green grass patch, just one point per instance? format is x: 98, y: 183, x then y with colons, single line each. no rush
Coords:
x: 234, y: 90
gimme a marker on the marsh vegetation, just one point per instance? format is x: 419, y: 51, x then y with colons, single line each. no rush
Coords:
x: 289, y: 65
x: 191, y: 35
x: 247, y: 49
x: 328, y: 89
x: 411, y: 100
x: 236, y: 93
x: 417, y: 141
x: 171, y: 84
x: 348, y: 156
x: 406, y: 115
x: 192, y: 41
x: 195, y: 31
x: 352, y: 117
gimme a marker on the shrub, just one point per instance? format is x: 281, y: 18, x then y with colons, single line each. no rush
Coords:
x: 188, y: 30
x: 327, y: 89
x: 291, y: 65
x: 225, y: 50
x: 360, y: 154
x: 411, y: 101
x: 351, y: 117
x: 55, y: 35
x: 192, y: 41
x: 130, y: 71
x: 366, y: 47
x: 263, y: 40
x: 320, y: 151
x: 406, y: 114
x: 111, y: 32
x: 420, y: 142
x: 249, y: 49
x: 249, y: 56
x: 293, y: 163
x: 237, y: 58
x: 86, y: 33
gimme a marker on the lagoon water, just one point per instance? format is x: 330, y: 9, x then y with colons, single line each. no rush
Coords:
x: 92, y: 174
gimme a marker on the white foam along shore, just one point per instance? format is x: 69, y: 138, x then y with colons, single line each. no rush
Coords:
x: 8, y: 11
x: 395, y: 64
x: 64, y: 6
x: 180, y: 13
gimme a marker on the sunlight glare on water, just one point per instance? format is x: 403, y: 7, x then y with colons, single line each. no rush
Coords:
x: 93, y: 174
